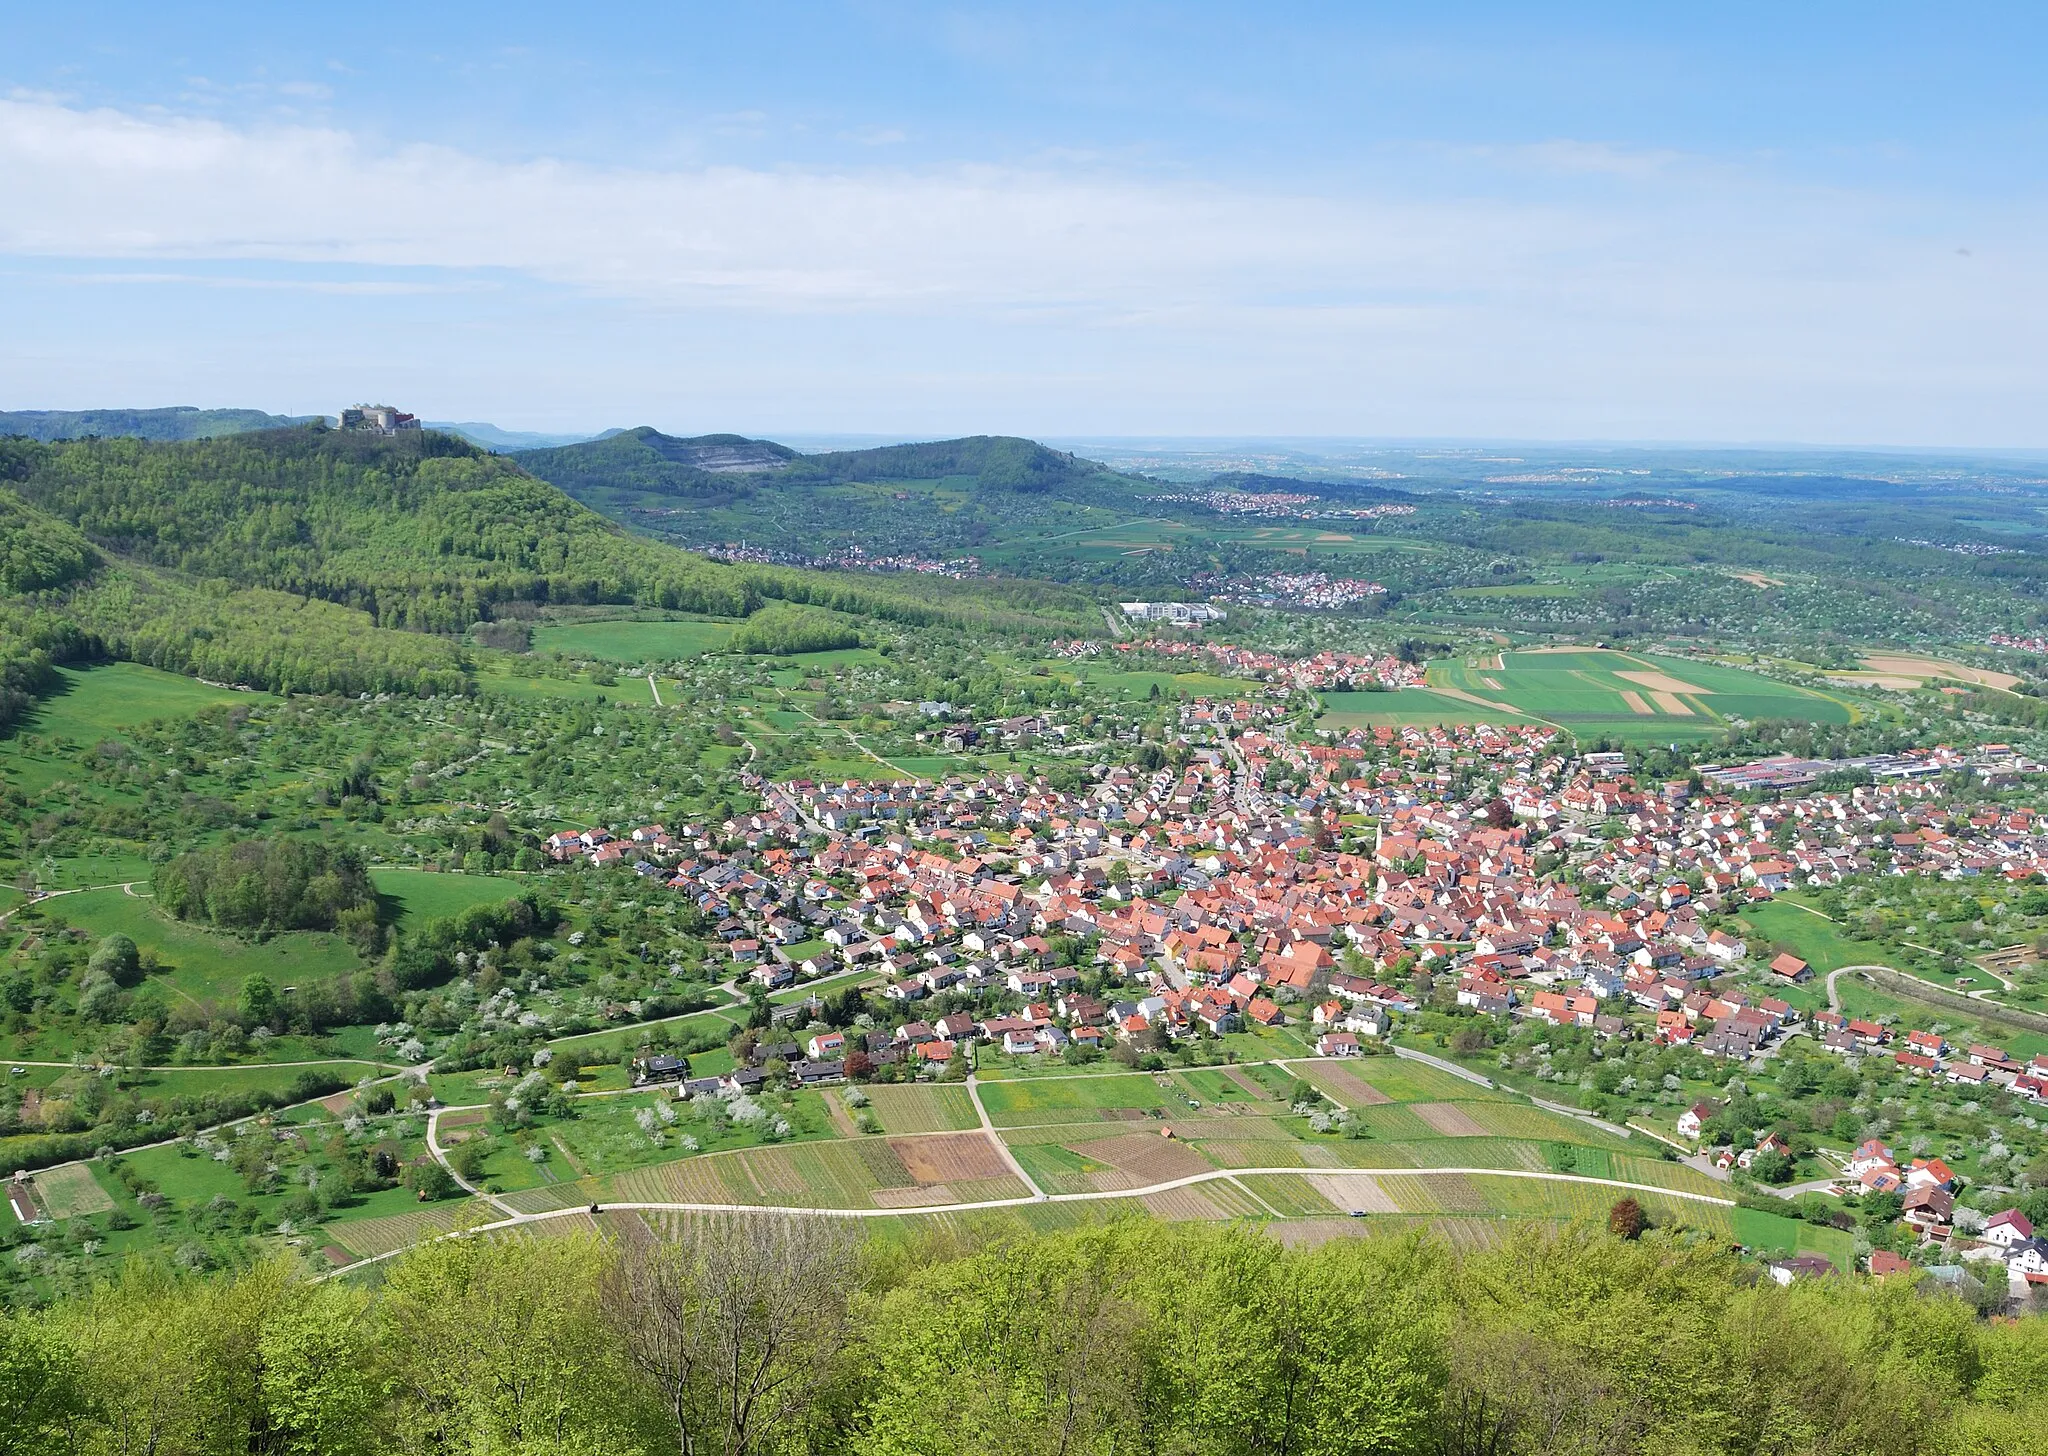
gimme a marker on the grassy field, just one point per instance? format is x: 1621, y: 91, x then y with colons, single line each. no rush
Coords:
x: 424, y: 895
x: 635, y: 642
x: 922, y: 1109
x: 1408, y: 708
x: 495, y: 677
x: 204, y: 964
x: 1773, y: 1233
x: 93, y: 702
x: 1069, y: 1099
x: 1633, y: 697
x: 1818, y: 940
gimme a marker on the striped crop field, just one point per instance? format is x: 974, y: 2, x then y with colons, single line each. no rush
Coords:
x: 367, y: 1237
x: 1070, y: 1099
x: 1394, y: 1121
x: 71, y: 1190
x: 941, y: 1108
x: 1515, y: 1119
x: 1289, y: 1195
x: 1654, y: 1172
x: 1407, y: 1081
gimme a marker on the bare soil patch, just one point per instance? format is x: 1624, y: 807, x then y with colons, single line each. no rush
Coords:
x: 842, y: 1120
x: 1658, y: 682
x: 1672, y: 704
x: 1902, y: 665
x: 953, y: 1155
x: 1637, y: 705
x: 1148, y: 1157
x: 1345, y: 1085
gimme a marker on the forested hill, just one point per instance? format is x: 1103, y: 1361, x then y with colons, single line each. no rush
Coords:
x: 180, y: 422
x: 644, y: 459
x: 422, y: 531
x: 309, y: 560
x: 997, y: 462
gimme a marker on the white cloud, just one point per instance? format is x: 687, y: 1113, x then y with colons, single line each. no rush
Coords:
x: 109, y: 184
x: 1566, y: 287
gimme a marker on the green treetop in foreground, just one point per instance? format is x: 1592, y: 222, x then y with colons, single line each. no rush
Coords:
x: 771, y: 1334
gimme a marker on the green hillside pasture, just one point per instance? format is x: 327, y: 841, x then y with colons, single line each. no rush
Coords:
x: 421, y: 895
x: 204, y: 964
x: 1071, y: 1099
x: 496, y: 677
x: 94, y: 702
x: 636, y: 642
x: 1774, y: 1233
x: 248, y: 1078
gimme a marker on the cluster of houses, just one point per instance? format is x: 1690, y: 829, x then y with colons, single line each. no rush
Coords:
x: 1325, y: 671
x: 1238, y: 889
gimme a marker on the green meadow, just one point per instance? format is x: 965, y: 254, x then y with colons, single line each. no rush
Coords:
x: 635, y: 641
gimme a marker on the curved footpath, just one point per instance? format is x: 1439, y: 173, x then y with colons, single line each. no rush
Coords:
x: 517, y: 1220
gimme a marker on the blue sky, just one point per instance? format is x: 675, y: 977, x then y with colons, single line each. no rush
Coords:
x: 1739, y: 223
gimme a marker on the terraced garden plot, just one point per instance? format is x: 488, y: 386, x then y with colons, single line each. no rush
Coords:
x: 949, y: 1158
x: 1587, y: 1162
x: 922, y: 1108
x: 368, y: 1237
x: 1059, y: 1169
x: 1218, y: 1087
x: 1436, y: 1152
x: 1257, y: 1153
x: 1147, y: 1158
x: 1434, y: 1193
x: 70, y: 1191
x: 1394, y: 1120
x: 1277, y: 1081
x: 1448, y: 1119
x: 1519, y: 1120
x: 687, y: 1180
x: 1656, y: 1173
x: 1185, y: 1203
x: 1290, y: 1195
x: 1354, y: 1192
x: 550, y: 1196
x: 1271, y: 1123
x: 1344, y: 1085
x: 1228, y: 1195
x: 1069, y: 1099
x: 1410, y: 1081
